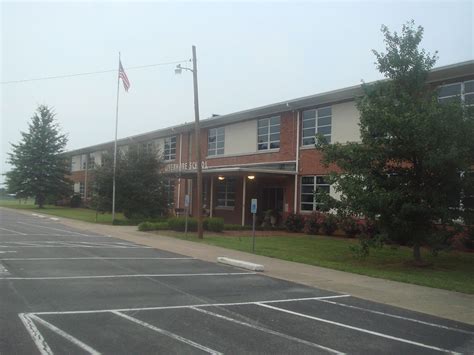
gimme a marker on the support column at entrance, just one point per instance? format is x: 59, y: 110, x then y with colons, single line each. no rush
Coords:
x: 211, y: 201
x: 243, y: 200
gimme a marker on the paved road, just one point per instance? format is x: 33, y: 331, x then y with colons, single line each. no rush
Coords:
x: 65, y: 290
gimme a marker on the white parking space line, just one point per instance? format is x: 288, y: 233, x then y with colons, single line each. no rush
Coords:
x: 56, y: 229
x: 100, y: 258
x: 12, y: 231
x: 357, y: 329
x: 38, y: 339
x: 67, y: 244
x: 127, y: 276
x: 267, y: 330
x: 398, y: 317
x: 65, y: 335
x: 53, y: 235
x: 167, y: 333
x: 191, y: 305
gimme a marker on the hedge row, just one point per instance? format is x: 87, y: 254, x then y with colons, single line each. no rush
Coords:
x: 179, y: 224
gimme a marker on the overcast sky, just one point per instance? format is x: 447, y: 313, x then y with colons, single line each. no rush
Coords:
x: 249, y: 54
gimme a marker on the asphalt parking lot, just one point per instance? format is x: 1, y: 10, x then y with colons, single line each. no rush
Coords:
x: 64, y: 290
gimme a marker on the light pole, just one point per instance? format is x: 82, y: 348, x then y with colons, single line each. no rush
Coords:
x: 178, y: 70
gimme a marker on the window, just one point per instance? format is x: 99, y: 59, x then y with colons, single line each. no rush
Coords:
x: 84, y: 162
x: 215, y: 141
x: 469, y: 93
x: 169, y: 151
x: 82, y: 187
x: 169, y: 192
x: 314, y: 122
x: 226, y: 193
x: 311, y: 187
x: 147, y: 147
x: 269, y: 133
x: 91, y: 161
x: 463, y: 92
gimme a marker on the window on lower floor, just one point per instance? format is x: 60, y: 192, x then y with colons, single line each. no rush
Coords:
x: 311, y: 188
x: 82, y: 188
x: 226, y: 192
x: 317, y: 121
x: 169, y: 192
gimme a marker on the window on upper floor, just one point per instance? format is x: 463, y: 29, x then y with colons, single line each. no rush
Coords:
x: 269, y: 133
x: 91, y: 161
x: 215, y: 141
x: 148, y: 147
x: 226, y: 192
x: 463, y: 91
x: 317, y: 121
x: 169, y: 150
x: 311, y: 188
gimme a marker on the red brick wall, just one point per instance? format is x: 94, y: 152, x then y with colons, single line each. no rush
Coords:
x: 286, y: 152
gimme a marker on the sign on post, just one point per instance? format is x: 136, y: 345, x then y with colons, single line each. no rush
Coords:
x: 253, y: 206
x: 253, y: 210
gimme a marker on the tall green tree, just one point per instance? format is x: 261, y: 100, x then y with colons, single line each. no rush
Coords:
x: 140, y: 188
x: 407, y: 170
x: 39, y: 167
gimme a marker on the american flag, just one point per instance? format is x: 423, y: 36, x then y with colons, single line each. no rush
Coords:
x: 123, y: 76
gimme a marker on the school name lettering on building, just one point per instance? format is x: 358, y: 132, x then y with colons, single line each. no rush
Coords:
x: 187, y: 166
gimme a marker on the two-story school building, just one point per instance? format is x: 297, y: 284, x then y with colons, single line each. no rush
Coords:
x: 265, y: 152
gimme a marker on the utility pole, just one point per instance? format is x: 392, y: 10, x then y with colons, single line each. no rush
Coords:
x: 198, y: 146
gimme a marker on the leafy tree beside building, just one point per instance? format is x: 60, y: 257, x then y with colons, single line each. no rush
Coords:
x: 140, y: 185
x: 39, y: 167
x: 410, y: 169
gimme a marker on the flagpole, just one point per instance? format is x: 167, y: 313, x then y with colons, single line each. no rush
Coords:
x: 115, y: 144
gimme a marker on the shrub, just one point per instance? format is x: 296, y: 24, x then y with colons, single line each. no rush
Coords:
x: 236, y: 227
x: 152, y: 226
x: 351, y: 226
x: 214, y: 224
x: 145, y: 226
x: 329, y: 224
x: 369, y: 227
x: 294, y: 223
x: 313, y: 223
x: 76, y: 201
x: 178, y: 224
x: 135, y: 222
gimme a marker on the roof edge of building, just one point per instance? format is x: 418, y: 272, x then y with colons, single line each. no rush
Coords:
x: 439, y: 74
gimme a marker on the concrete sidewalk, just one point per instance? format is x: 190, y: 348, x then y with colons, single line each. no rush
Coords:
x: 442, y: 303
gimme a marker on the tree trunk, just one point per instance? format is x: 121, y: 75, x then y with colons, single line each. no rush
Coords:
x: 417, y: 253
x: 40, y: 201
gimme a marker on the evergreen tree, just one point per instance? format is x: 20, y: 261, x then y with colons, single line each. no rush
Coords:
x: 39, y: 167
x: 140, y: 190
x: 407, y: 171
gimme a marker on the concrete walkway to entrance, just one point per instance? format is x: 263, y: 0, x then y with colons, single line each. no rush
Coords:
x: 442, y: 303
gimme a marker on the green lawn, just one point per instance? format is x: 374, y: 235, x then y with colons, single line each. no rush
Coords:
x: 451, y: 271
x: 82, y: 214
